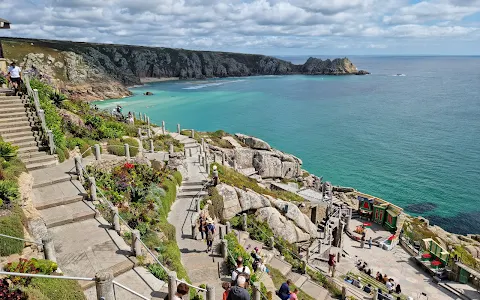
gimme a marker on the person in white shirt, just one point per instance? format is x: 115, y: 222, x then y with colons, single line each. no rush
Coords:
x: 182, y: 290
x: 240, y: 269
x: 14, y: 74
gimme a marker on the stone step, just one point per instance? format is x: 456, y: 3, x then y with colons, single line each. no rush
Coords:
x: 281, y: 265
x: 68, y: 213
x: 137, y: 279
x: 58, y: 194
x: 314, y: 290
x: 42, y: 157
x: 89, y: 246
x: 190, y: 183
x: 63, y: 172
x: 296, y: 278
x: 9, y: 101
x: 27, y: 155
x: 15, y: 124
x: 41, y: 165
x: 26, y: 144
x: 5, y: 106
x: 23, y: 128
x: 22, y: 139
x: 10, y: 136
x: 191, y: 188
x: 31, y: 149
x: 13, y: 119
x: 191, y: 194
x: 11, y: 110
x: 8, y: 115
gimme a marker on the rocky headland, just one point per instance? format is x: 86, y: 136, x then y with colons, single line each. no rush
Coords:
x: 87, y: 71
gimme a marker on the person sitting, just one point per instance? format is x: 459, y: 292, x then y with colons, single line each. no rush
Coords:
x: 357, y: 283
x: 369, y: 272
x: 293, y: 295
x: 389, y: 285
x: 367, y: 288
x: 348, y: 280
x: 379, y: 277
x: 284, y: 291
x: 363, y: 267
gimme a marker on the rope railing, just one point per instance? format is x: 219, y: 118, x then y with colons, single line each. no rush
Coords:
x: 130, y: 290
x: 20, y: 239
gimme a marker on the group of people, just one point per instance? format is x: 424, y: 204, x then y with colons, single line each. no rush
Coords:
x: 207, y: 229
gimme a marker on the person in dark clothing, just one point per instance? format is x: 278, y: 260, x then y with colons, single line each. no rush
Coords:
x: 284, y: 291
x: 398, y: 289
x: 239, y: 292
x: 367, y: 288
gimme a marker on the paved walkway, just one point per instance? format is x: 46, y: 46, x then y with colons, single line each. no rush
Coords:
x: 202, y: 267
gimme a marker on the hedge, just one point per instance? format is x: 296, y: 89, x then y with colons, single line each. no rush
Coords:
x: 178, y: 177
x: 57, y: 289
x: 117, y: 147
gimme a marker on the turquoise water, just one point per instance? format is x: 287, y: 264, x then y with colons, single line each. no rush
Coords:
x: 413, y: 140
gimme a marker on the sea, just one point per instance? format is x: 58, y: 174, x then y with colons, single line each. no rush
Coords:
x: 408, y: 133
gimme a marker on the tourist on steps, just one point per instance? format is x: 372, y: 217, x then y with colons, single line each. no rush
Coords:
x: 215, y: 176
x: 226, y: 286
x: 284, y: 291
x: 210, y: 233
x: 182, y: 290
x: 15, y: 77
x: 241, y: 269
x: 239, y: 292
x: 293, y: 295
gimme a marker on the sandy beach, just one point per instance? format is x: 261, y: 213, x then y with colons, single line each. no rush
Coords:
x: 154, y: 79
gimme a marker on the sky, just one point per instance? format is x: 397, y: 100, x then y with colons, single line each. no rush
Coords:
x: 272, y: 27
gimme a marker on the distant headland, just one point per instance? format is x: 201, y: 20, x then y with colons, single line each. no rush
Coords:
x: 88, y: 71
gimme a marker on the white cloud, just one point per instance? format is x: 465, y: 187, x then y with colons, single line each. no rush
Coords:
x: 259, y: 24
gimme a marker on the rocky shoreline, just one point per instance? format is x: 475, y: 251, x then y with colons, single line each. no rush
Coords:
x: 87, y: 71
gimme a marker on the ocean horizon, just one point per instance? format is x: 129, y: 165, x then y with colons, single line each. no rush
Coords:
x: 407, y: 133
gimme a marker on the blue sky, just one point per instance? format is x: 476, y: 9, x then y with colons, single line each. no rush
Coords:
x: 275, y: 27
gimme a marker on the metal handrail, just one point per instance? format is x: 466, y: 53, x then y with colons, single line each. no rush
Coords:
x: 130, y: 290
x: 190, y: 285
x: 20, y: 239
x: 111, y: 206
x: 46, y: 276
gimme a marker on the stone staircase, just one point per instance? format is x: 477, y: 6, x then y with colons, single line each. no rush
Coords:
x: 18, y: 126
x: 84, y: 241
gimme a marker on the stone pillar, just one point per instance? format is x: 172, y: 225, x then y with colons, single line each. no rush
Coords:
x: 223, y: 159
x: 202, y: 144
x: 178, y: 128
x: 228, y: 227
x: 272, y: 242
x: 139, y: 133
x: 104, y: 285
x: 98, y: 155
x: 185, y: 152
x: 136, y: 246
x: 163, y: 127
x: 198, y: 205
x: 338, y: 234
x: 149, y: 132
x: 348, y: 219
x: 235, y: 164
x: 127, y: 151
x: 116, y: 220
x: 199, y: 158
x: 93, y: 189
x: 193, y: 134
x: 256, y: 291
x: 190, y: 152
x: 304, y: 267
x: 200, y: 149
x: 210, y: 292
x: 225, y: 249
x: 244, y: 222
x: 172, y: 284
x: 51, y: 143
x: 344, y: 292
x: 78, y: 168
x: 194, y: 231
x: 139, y: 116
x: 170, y: 149
x: 221, y: 232
x: 148, y: 121
x: 49, y: 248
x: 144, y: 117
x: 152, y: 149
x: 202, y: 161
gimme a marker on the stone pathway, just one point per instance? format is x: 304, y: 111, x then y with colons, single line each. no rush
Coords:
x: 202, y: 267
x: 85, y: 243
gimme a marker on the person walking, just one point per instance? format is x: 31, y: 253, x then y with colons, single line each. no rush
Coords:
x: 239, y: 291
x: 182, y: 290
x: 210, y: 233
x: 226, y: 286
x: 241, y: 269
x: 202, y: 225
x: 15, y: 77
x: 284, y: 291
x: 331, y: 264
x: 370, y: 242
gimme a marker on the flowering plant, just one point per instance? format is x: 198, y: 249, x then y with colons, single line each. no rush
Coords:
x: 128, y: 166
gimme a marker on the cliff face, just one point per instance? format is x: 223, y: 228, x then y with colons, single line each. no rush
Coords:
x: 98, y: 71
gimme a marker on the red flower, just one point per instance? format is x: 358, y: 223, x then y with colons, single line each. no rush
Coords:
x: 128, y: 166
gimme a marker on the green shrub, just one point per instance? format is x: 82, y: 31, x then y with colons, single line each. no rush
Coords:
x: 158, y: 271
x: 178, y: 177
x: 61, y: 155
x: 9, y: 190
x: 216, y: 209
x: 52, y: 117
x: 134, y: 145
x: 7, y: 150
x: 11, y: 169
x: 58, y: 289
x: 116, y: 148
x: 12, y: 225
x: 232, y: 177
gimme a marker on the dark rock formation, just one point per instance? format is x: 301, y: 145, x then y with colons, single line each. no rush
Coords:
x: 148, y: 93
x: 99, y: 67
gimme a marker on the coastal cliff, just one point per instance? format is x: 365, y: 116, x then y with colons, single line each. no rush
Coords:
x: 87, y: 71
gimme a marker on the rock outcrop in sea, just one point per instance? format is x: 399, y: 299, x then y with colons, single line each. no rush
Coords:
x: 89, y: 71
